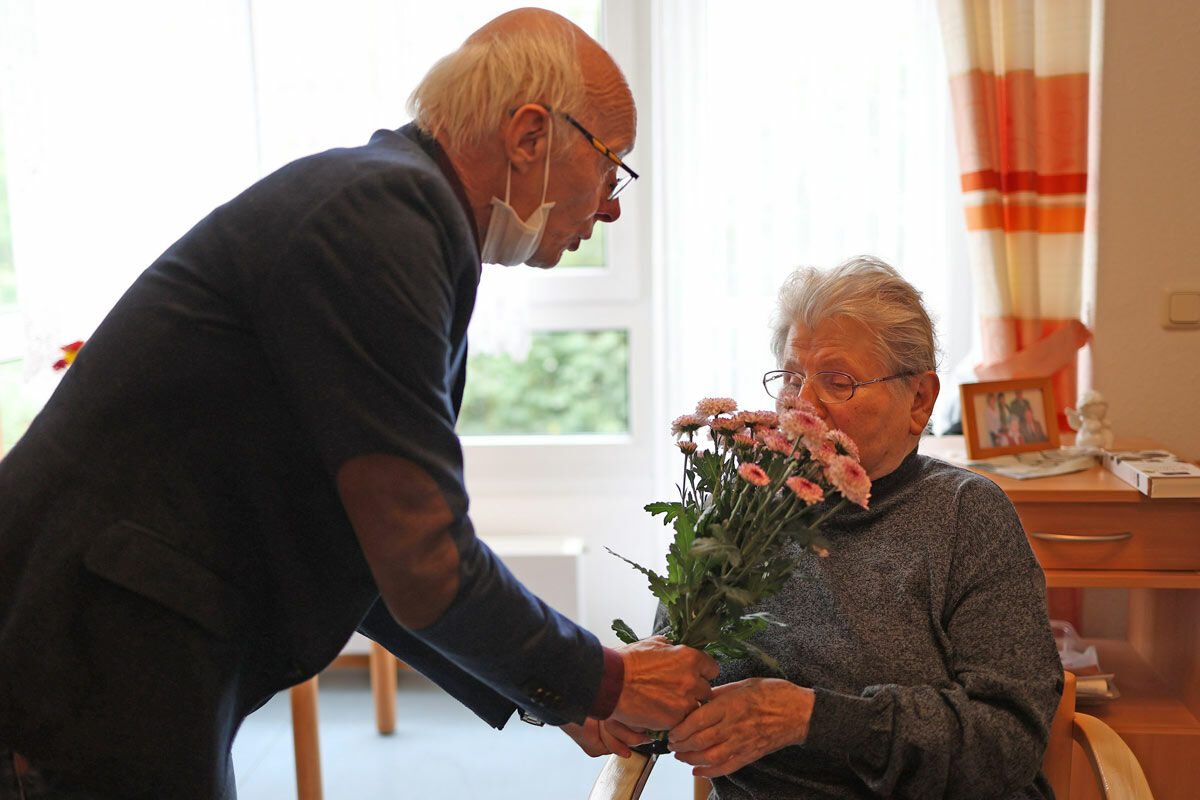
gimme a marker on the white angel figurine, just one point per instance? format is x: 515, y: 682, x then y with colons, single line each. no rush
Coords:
x: 1094, y: 430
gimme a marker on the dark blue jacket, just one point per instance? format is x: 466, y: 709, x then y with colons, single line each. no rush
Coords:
x: 173, y: 550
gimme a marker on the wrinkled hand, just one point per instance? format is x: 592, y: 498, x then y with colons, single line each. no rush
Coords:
x: 742, y: 723
x: 601, y: 737
x: 662, y: 683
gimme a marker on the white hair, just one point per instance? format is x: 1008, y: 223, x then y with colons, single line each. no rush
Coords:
x: 467, y: 95
x: 869, y: 291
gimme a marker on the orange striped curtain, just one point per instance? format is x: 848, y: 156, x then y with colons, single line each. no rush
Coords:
x: 1019, y: 94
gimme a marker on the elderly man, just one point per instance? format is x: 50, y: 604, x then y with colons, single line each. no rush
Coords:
x: 254, y: 454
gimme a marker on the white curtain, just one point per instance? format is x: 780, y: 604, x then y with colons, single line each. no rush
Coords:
x: 796, y: 133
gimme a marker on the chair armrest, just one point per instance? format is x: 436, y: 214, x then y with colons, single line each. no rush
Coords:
x: 1116, y: 767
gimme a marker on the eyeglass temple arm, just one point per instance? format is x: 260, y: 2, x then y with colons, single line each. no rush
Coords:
x: 888, y: 378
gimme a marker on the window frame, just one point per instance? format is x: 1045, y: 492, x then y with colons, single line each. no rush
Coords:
x: 615, y: 296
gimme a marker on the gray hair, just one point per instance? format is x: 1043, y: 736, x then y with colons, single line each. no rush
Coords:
x: 866, y: 290
x: 467, y: 95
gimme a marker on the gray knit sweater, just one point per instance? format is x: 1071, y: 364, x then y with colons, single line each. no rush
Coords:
x: 925, y: 637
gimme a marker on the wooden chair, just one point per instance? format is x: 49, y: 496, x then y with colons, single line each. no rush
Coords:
x: 305, y: 738
x: 1115, y: 773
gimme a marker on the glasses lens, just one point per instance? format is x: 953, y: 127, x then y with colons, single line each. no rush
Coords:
x: 623, y: 180
x: 781, y: 382
x: 833, y: 387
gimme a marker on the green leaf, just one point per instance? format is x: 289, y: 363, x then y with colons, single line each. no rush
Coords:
x: 719, y: 531
x: 718, y: 551
x: 681, y: 563
x: 685, y: 532
x: 671, y: 510
x: 739, y: 595
x: 623, y: 631
x: 708, y: 466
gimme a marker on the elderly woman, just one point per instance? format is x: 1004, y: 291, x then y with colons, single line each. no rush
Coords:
x: 918, y: 659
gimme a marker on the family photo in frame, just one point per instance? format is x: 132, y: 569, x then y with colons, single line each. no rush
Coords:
x: 1005, y: 417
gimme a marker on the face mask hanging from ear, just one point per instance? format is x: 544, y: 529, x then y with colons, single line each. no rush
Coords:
x: 508, y: 240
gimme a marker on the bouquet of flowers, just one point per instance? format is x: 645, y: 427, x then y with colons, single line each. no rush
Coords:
x: 769, y: 479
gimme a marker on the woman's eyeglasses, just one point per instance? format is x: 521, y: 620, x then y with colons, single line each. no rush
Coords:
x: 829, y: 387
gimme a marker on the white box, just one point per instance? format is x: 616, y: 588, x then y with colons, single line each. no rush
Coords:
x: 1154, y: 473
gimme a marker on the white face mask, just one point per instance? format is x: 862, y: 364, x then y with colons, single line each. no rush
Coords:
x: 508, y: 240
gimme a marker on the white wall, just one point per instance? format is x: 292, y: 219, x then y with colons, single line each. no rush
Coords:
x: 1146, y: 195
x: 1148, y: 218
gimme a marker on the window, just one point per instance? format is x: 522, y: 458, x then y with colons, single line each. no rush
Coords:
x: 565, y: 382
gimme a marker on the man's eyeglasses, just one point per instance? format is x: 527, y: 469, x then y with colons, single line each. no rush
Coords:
x: 829, y: 387
x: 623, y: 180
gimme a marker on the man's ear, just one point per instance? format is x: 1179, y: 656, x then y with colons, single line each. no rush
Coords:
x: 527, y: 136
x: 928, y: 386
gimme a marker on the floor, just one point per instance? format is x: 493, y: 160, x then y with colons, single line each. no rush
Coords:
x: 438, y: 750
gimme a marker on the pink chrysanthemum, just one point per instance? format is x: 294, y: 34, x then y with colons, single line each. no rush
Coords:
x: 744, y: 442
x: 688, y: 447
x: 726, y: 425
x: 754, y: 474
x: 688, y: 423
x: 842, y: 443
x: 801, y: 424
x: 774, y: 440
x: 850, y: 479
x: 794, y: 402
x: 756, y: 420
x: 711, y: 406
x: 806, y: 490
x: 822, y: 451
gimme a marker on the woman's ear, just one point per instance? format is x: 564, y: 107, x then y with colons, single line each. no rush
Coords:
x: 928, y: 386
x: 527, y: 136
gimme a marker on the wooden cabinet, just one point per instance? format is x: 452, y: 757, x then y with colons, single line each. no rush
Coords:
x: 1091, y: 529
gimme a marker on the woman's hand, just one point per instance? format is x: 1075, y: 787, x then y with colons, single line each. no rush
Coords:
x: 742, y: 723
x: 601, y: 737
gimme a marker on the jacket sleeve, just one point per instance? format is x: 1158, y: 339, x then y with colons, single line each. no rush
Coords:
x: 492, y: 707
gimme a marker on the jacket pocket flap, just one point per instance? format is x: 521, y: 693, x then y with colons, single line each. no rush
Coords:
x: 139, y: 560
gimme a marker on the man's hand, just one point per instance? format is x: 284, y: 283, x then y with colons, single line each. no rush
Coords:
x: 743, y: 722
x: 601, y: 737
x: 663, y: 682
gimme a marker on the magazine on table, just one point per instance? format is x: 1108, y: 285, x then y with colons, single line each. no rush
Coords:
x: 1035, y: 464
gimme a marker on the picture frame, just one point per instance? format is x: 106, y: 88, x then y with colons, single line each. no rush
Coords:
x: 1005, y: 417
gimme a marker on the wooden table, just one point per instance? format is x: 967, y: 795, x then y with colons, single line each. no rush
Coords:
x: 1091, y: 529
